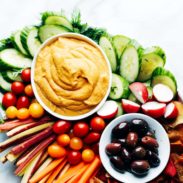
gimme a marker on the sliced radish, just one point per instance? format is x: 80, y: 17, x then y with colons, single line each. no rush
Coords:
x: 162, y: 93
x: 140, y: 91
x: 154, y: 109
x: 108, y: 110
x: 129, y: 106
x: 171, y: 111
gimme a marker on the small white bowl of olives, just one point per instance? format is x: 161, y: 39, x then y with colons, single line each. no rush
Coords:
x: 134, y: 148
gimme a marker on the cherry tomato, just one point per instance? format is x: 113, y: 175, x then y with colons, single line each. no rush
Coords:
x: 61, y: 127
x: 56, y: 151
x: 92, y: 137
x: 76, y: 143
x: 17, y: 87
x: 22, y: 102
x: 26, y: 75
x: 9, y: 99
x: 74, y: 157
x: 97, y: 124
x: 95, y: 148
x: 63, y: 139
x: 36, y: 110
x: 88, y: 155
x: 23, y: 113
x: 81, y: 129
x: 28, y: 91
x: 11, y: 112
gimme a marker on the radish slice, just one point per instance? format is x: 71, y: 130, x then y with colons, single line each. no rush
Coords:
x: 154, y: 109
x: 162, y: 93
x: 129, y: 106
x: 140, y: 91
x: 171, y: 111
x: 108, y: 110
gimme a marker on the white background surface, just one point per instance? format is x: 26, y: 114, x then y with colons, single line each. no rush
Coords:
x: 151, y: 22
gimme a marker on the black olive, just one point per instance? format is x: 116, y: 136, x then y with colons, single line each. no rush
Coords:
x: 120, y: 141
x: 149, y: 142
x: 150, y: 134
x: 113, y: 148
x: 140, y: 167
x: 153, y: 159
x: 139, y: 153
x: 132, y: 139
x: 140, y: 126
x: 125, y: 155
x: 121, y: 130
x: 117, y: 163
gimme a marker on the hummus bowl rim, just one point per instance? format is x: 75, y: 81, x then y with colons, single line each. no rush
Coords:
x: 79, y: 37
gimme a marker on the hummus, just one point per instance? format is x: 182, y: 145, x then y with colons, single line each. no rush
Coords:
x: 71, y: 76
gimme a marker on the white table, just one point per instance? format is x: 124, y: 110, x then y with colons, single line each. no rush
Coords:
x: 151, y: 22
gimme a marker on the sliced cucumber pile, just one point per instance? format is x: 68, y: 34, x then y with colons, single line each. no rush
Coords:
x: 29, y: 40
x: 151, y: 59
x: 119, y: 87
x: 160, y: 75
x: 106, y: 45
x: 4, y: 85
x: 129, y: 64
x: 119, y: 43
x: 12, y: 59
x: 11, y: 76
x: 47, y: 31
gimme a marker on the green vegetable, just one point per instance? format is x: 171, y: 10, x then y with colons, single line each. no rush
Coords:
x: 119, y: 87
x: 160, y: 75
x: 4, y: 85
x: 11, y: 76
x: 133, y: 98
x: 120, y: 109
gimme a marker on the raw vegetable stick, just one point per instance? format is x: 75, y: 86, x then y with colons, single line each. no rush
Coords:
x: 56, y: 172
x: 47, y: 170
x: 70, y: 173
x: 91, y: 169
x: 43, y: 180
x: 64, y: 170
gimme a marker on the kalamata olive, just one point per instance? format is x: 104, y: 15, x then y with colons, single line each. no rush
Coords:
x: 132, y: 139
x: 117, y: 163
x: 140, y: 126
x: 149, y: 142
x: 153, y: 159
x: 150, y: 134
x: 113, y: 148
x: 125, y: 155
x: 121, y: 130
x: 140, y: 167
x: 120, y: 141
x: 139, y: 153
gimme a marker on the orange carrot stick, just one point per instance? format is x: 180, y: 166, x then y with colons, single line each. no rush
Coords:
x: 44, y: 179
x: 73, y: 170
x: 91, y: 169
x: 48, y: 169
x: 56, y: 172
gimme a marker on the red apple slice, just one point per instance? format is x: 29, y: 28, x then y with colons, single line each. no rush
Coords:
x: 154, y: 109
x: 129, y: 106
x: 108, y: 110
x: 171, y: 111
x: 140, y: 91
x: 162, y: 93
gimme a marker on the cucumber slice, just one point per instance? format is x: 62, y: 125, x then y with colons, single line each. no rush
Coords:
x: 47, y: 31
x: 150, y: 92
x: 2, y: 111
x: 106, y: 45
x: 119, y: 87
x: 120, y: 109
x: 30, y: 41
x: 151, y: 59
x: 133, y: 98
x: 119, y: 43
x: 12, y: 59
x: 58, y: 20
x: 12, y: 76
x: 4, y: 85
x: 160, y: 75
x: 17, y: 43
x: 129, y: 64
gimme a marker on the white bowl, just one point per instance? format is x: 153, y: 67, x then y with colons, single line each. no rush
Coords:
x: 164, y: 149
x: 90, y: 41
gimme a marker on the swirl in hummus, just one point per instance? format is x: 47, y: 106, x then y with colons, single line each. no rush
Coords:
x: 71, y: 76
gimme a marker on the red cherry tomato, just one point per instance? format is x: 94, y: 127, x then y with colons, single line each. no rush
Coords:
x: 26, y: 75
x: 92, y: 138
x: 61, y: 127
x: 81, y: 129
x: 17, y: 87
x: 97, y: 124
x: 22, y: 102
x: 74, y: 157
x: 9, y: 99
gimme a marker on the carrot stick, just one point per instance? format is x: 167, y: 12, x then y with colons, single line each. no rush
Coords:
x: 91, y: 169
x: 44, y: 179
x: 47, y: 170
x: 56, y: 172
x: 70, y: 173
x: 66, y: 167
x: 79, y: 174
